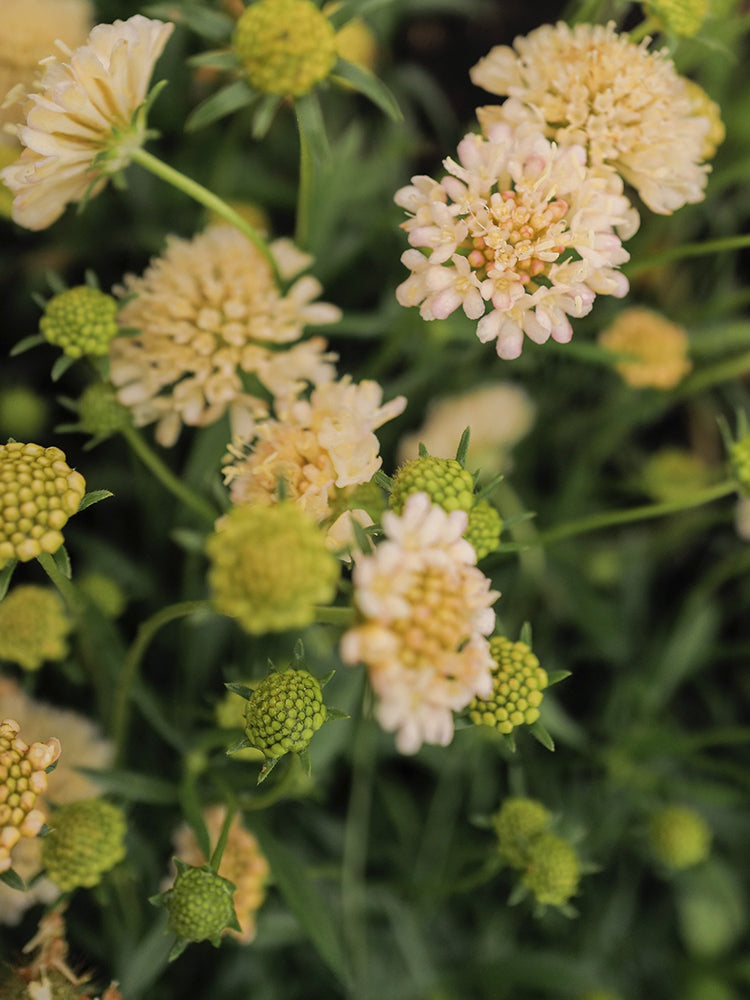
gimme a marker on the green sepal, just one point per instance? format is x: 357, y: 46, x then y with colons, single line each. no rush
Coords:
x: 510, y: 741
x: 94, y: 497
x: 324, y: 680
x: 298, y: 655
x: 44, y: 831
x: 241, y: 744
x: 90, y: 278
x: 189, y: 540
x: 264, y: 114
x: 540, y: 734
x: 423, y: 452
x: 361, y: 537
x: 51, y: 767
x: 518, y: 894
x: 383, y: 480
x: 202, y: 20
x: 215, y: 59
x: 40, y: 301
x: 304, y: 759
x: 514, y: 519
x: 268, y: 765
x: 311, y: 125
x: 12, y: 879
x: 555, y: 676
x: 463, y: 447
x: 336, y: 713
x: 369, y: 86
x: 6, y: 574
x: 33, y: 340
x: 177, y: 948
x: 229, y: 99
x: 62, y: 561
x: 241, y: 689
x: 524, y: 635
x: 354, y: 8
x: 489, y: 487
x: 61, y: 366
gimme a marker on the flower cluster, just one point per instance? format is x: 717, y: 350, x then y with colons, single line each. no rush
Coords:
x: 658, y: 349
x: 33, y: 626
x: 426, y: 610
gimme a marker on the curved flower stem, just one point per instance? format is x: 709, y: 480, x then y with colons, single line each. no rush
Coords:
x: 168, y: 479
x: 205, y: 197
x: 702, y: 249
x: 648, y: 27
x: 609, y: 519
x: 714, y: 374
x: 304, y: 197
x: 129, y: 672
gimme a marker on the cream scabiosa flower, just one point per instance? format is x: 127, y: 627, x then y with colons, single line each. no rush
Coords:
x: 83, y: 118
x: 426, y: 610
x: 208, y: 310
x: 628, y: 107
x: 517, y: 223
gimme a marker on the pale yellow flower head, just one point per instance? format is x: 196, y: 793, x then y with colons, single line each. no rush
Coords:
x: 590, y: 86
x: 208, y: 310
x: 242, y: 863
x: 671, y: 473
x: 658, y: 347
x: 425, y: 612
x: 33, y: 626
x: 710, y: 110
x: 83, y: 117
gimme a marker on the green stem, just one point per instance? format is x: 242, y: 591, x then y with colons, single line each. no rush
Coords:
x: 714, y: 374
x: 129, y: 672
x: 63, y: 584
x: 218, y: 853
x: 701, y: 249
x: 344, y: 617
x: 205, y: 197
x: 168, y: 479
x: 611, y: 518
x: 650, y: 26
x: 304, y: 196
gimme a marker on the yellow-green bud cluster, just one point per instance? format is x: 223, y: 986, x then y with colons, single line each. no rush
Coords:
x: 285, y: 46
x: 285, y: 711
x: 444, y: 480
x: 81, y: 320
x: 518, y: 683
x: 99, y: 411
x: 552, y: 870
x: 270, y: 567
x: 87, y: 839
x: 679, y: 837
x: 33, y: 626
x: 518, y: 823
x: 105, y: 593
x: 682, y: 17
x: 484, y: 528
x: 23, y: 412
x: 739, y: 456
x: 38, y: 493
x: 200, y: 904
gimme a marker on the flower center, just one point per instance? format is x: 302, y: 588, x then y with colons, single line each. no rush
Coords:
x: 437, y: 623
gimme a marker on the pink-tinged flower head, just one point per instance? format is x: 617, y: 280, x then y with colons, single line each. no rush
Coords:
x: 426, y: 610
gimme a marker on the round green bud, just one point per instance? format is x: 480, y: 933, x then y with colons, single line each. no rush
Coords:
x: 683, y: 18
x: 484, y: 528
x: 200, y: 905
x: 444, y: 480
x: 87, y: 839
x: 679, y: 837
x: 81, y: 320
x: 284, y: 712
x: 518, y: 683
x: 105, y: 593
x: 552, y: 870
x: 285, y: 46
x: 33, y: 626
x: 23, y: 412
x: 99, y: 412
x: 517, y: 824
x: 672, y: 473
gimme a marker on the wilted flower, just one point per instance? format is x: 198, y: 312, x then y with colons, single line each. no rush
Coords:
x: 518, y: 223
x: 207, y: 311
x: 83, y: 118
x: 590, y: 86
x: 658, y: 347
x: 426, y: 610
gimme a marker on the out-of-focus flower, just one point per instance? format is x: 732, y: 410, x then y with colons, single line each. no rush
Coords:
x: 80, y: 321
x: 672, y: 473
x: 518, y: 683
x: 683, y: 18
x: 270, y: 567
x: 742, y: 518
x: 242, y: 863
x: 517, y: 223
x: 355, y: 41
x: 84, y: 746
x: 40, y: 493
x: 33, y: 626
x: 426, y: 610
x: 658, y: 347
x: 30, y: 30
x: 499, y: 416
x: 285, y: 46
x: 83, y: 116
x: 553, y: 870
x: 207, y: 311
x: 23, y: 777
x: 484, y: 528
x: 679, y: 837
x: 706, y: 108
x: 87, y: 839
x: 590, y: 86
x: 23, y: 412
x: 8, y: 154
x: 517, y: 823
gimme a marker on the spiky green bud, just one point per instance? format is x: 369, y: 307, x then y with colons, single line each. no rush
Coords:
x: 81, y: 320
x: 444, y: 480
x: 284, y: 712
x: 87, y: 839
x: 518, y: 683
x: 484, y: 528
x: 552, y: 871
x: 517, y: 824
x: 200, y: 904
x: 679, y: 837
x: 100, y: 413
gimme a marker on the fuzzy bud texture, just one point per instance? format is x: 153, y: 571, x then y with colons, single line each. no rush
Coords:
x: 100, y: 414
x: 484, y: 528
x: 81, y: 321
x: 22, y: 778
x: 552, y: 871
x: 679, y: 837
x: 38, y: 493
x: 86, y: 839
x: 517, y: 824
x: 285, y: 711
x: 285, y: 46
x: 270, y: 567
x: 444, y: 480
x: 200, y: 905
x: 659, y: 349
x: 517, y: 685
x: 33, y: 626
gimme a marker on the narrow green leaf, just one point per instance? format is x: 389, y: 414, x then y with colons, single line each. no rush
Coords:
x: 55, y: 282
x: 264, y: 114
x: 202, y: 20
x: 241, y: 689
x: 224, y: 102
x: 61, y: 366
x: 6, y: 574
x: 215, y: 59
x: 540, y: 734
x: 133, y: 786
x: 189, y: 540
x: 423, y: 452
x: 62, y: 560
x: 268, y: 765
x: 94, y: 497
x: 312, y: 128
x: 12, y: 879
x: 33, y: 340
x: 525, y: 635
x: 463, y: 447
x: 370, y: 86
x: 382, y: 480
x: 555, y: 676
x: 355, y: 8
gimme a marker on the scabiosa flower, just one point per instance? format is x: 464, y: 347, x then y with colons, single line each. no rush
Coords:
x: 679, y: 837
x: 207, y: 311
x: 517, y: 223
x: 426, y: 610
x: 86, y: 839
x: 484, y: 528
x: 33, y: 626
x: 552, y: 871
x: 518, y: 823
x: 242, y: 863
x: 86, y: 113
x: 445, y: 481
x: 590, y: 86
x: 199, y: 905
x: 40, y: 492
x: 80, y: 320
x: 23, y: 776
x: 284, y: 712
x: 658, y: 347
x: 518, y: 683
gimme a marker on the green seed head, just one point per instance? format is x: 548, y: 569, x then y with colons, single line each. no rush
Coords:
x: 86, y: 840
x: 444, y: 480
x: 200, y: 904
x: 679, y: 837
x: 484, y: 528
x: 100, y: 414
x: 81, y: 320
x: 517, y: 824
x: 518, y: 683
x: 552, y: 870
x: 284, y: 712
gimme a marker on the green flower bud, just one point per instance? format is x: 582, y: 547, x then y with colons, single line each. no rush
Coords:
x: 284, y: 712
x: 444, y: 480
x: 552, y: 870
x: 285, y: 46
x: 200, y: 904
x: 81, y: 320
x: 518, y: 683
x: 105, y: 593
x: 683, y: 18
x: 99, y: 412
x: 33, y: 626
x: 739, y: 456
x: 484, y: 528
x: 679, y: 837
x: 517, y: 824
x: 87, y: 839
x: 23, y: 412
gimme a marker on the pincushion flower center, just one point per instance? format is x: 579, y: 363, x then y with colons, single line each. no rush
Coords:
x: 437, y: 620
